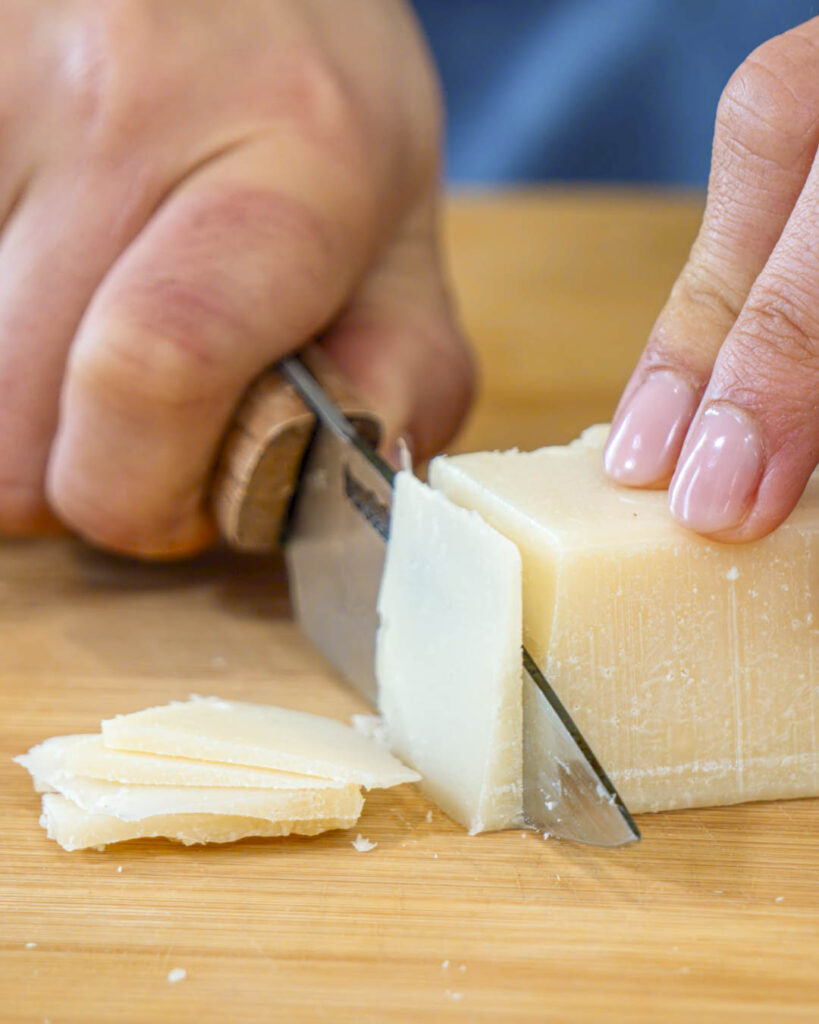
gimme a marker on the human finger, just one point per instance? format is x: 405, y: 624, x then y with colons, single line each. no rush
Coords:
x: 399, y: 342
x: 755, y: 440
x: 765, y: 137
x: 247, y: 260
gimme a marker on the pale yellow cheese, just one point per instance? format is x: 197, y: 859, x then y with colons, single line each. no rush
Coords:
x: 448, y: 657
x: 46, y: 763
x: 255, y: 735
x: 691, y: 667
x: 75, y: 829
x: 93, y: 759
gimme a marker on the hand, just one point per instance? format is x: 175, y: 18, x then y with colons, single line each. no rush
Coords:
x: 189, y: 191
x: 725, y: 399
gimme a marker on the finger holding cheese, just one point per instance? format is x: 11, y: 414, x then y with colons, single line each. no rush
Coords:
x: 691, y: 667
x: 256, y: 735
x: 448, y: 658
x: 93, y: 759
x: 75, y: 829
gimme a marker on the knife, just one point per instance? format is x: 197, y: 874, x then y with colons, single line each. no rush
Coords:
x: 311, y: 471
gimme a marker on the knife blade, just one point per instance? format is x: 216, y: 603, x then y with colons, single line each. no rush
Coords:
x: 335, y: 542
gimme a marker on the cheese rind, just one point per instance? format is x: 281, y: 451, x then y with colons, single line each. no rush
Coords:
x: 46, y: 763
x: 691, y: 667
x: 93, y: 759
x: 255, y: 735
x: 75, y: 829
x: 448, y: 656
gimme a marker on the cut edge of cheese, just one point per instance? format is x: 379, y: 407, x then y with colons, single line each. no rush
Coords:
x: 448, y: 659
x: 260, y: 736
x: 76, y: 829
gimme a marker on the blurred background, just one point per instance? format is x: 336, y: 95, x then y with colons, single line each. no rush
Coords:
x: 592, y: 90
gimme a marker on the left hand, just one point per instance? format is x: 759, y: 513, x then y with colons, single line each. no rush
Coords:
x: 724, y: 402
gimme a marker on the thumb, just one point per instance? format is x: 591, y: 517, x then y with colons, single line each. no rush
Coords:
x: 398, y: 341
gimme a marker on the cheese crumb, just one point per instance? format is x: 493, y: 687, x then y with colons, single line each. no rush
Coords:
x: 445, y: 965
x: 177, y: 974
x: 371, y: 726
x: 732, y: 574
x: 454, y: 996
x: 119, y: 869
x: 428, y: 817
x: 31, y: 945
x: 362, y: 845
x: 779, y: 899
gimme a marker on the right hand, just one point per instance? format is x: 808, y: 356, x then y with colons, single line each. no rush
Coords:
x: 189, y: 191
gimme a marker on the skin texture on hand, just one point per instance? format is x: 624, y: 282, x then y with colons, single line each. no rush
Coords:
x: 724, y: 402
x: 189, y: 191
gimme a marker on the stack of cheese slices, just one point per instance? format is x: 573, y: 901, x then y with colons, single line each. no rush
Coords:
x: 207, y: 771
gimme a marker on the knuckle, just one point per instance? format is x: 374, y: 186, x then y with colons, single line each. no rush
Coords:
x: 768, y: 108
x: 298, y: 248
x: 319, y: 100
x: 170, y: 370
x: 265, y: 242
x: 702, y: 286
x: 108, y: 84
x: 780, y: 327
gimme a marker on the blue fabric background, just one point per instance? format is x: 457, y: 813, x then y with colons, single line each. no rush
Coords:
x: 617, y: 90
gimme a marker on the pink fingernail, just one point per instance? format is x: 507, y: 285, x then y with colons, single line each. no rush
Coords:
x: 645, y: 443
x: 714, y: 486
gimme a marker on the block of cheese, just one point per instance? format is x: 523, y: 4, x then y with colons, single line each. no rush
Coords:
x: 255, y: 735
x: 691, y: 667
x: 90, y: 757
x: 448, y: 656
x: 46, y: 763
x: 75, y: 829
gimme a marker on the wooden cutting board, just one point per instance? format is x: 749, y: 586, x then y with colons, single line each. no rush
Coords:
x: 714, y: 916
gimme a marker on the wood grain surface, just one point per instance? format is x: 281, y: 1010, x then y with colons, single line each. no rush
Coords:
x: 713, y: 917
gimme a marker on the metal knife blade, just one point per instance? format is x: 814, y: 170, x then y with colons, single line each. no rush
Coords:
x: 335, y: 548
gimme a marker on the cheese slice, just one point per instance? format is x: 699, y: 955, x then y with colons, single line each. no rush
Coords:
x: 91, y: 758
x: 255, y: 735
x: 448, y: 657
x: 691, y: 667
x: 46, y: 763
x: 75, y: 829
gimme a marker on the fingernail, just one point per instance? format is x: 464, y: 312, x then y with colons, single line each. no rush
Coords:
x: 644, y: 445
x: 399, y: 454
x: 714, y: 486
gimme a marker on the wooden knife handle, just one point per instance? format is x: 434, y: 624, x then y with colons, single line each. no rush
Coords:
x: 259, y: 463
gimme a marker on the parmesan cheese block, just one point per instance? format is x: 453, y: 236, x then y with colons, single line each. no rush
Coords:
x: 255, y: 735
x: 690, y: 666
x: 46, y: 763
x: 448, y: 658
x: 75, y: 829
x: 91, y: 758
